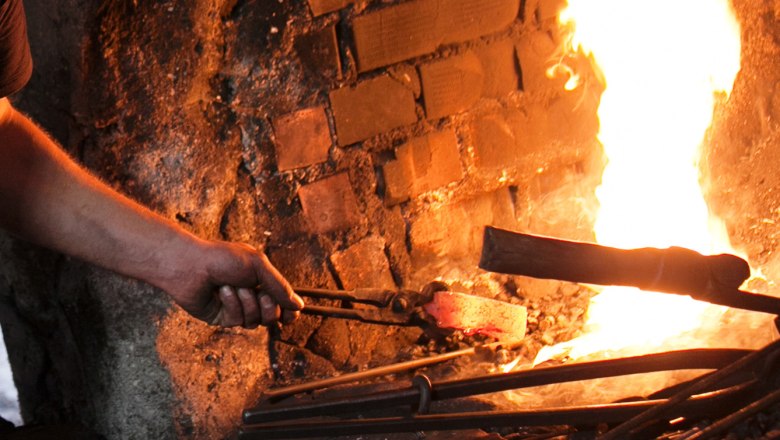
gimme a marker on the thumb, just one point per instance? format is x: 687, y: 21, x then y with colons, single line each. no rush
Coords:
x: 273, y: 283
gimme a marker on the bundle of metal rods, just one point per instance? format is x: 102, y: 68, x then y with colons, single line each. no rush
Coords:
x: 742, y: 382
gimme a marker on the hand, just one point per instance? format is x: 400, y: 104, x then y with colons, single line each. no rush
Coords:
x: 235, y: 285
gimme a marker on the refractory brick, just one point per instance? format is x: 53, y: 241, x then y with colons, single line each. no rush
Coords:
x: 302, y: 138
x: 422, y: 164
x: 411, y: 29
x: 370, y: 108
x: 329, y: 204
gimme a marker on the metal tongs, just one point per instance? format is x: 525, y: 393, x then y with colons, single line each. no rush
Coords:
x: 390, y: 307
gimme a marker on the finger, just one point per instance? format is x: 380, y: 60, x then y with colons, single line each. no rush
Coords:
x: 209, y: 313
x: 277, y: 286
x: 230, y: 314
x: 269, y: 309
x: 289, y: 316
x: 251, y: 309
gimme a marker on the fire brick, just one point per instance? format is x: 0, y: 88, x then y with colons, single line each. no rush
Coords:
x: 451, y: 85
x: 422, y: 164
x: 319, y: 7
x: 499, y: 63
x: 370, y: 108
x: 302, y: 138
x: 455, y: 230
x: 535, y: 52
x: 319, y: 53
x: 495, y: 145
x: 329, y: 204
x: 364, y: 265
x: 454, y: 84
x: 407, y: 30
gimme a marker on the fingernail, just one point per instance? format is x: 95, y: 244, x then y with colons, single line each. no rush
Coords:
x: 226, y: 291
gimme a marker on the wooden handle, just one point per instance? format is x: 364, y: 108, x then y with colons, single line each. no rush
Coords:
x: 672, y: 270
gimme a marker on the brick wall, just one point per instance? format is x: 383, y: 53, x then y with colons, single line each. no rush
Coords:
x: 429, y: 120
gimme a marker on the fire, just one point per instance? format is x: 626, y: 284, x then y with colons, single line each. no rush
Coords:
x: 665, y: 64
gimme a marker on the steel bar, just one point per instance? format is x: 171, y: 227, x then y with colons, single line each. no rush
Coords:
x: 589, y: 415
x: 280, y: 393
x: 729, y: 421
x: 370, y: 316
x: 376, y: 297
x: 656, y: 412
x: 675, y: 360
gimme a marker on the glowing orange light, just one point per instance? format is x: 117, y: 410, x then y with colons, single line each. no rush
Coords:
x: 664, y: 63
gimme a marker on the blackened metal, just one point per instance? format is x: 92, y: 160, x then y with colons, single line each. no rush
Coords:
x: 371, y: 316
x: 391, y: 307
x: 375, y: 297
x: 731, y: 420
x: 280, y: 393
x: 578, y: 416
x: 658, y: 411
x: 675, y: 360
x: 425, y: 388
x: 713, y: 278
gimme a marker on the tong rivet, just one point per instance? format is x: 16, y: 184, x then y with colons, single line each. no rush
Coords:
x: 400, y: 305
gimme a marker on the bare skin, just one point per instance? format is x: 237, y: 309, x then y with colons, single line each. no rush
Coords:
x: 48, y: 199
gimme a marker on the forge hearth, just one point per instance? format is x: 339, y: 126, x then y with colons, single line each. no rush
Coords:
x: 361, y: 144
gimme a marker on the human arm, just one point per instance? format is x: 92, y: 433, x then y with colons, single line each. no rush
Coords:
x: 48, y: 199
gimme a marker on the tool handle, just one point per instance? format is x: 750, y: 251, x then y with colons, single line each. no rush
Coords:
x: 714, y: 278
x: 369, y: 316
x: 371, y: 296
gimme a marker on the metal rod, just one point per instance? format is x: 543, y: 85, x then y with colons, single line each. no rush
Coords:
x: 675, y: 360
x: 375, y: 297
x: 280, y: 393
x: 587, y: 415
x: 623, y: 430
x: 737, y: 417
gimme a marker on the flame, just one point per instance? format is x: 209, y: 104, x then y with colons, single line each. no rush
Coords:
x: 665, y: 64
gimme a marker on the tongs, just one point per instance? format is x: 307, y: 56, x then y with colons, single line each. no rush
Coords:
x: 434, y: 307
x: 390, y: 307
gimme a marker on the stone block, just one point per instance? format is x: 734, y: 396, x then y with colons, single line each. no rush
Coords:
x: 451, y: 85
x: 411, y: 29
x: 370, y: 108
x: 495, y: 145
x: 499, y: 62
x: 302, y: 138
x: 422, y: 164
x: 364, y: 264
x: 329, y: 204
x: 319, y: 7
x: 319, y: 53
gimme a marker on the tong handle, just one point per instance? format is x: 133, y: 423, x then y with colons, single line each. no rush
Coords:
x: 372, y: 296
x: 370, y: 316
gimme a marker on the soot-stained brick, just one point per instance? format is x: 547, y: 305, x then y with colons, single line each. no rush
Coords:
x: 319, y: 7
x: 302, y: 138
x: 319, y: 54
x: 329, y: 204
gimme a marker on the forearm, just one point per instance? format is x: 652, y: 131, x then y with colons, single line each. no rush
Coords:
x: 48, y: 199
